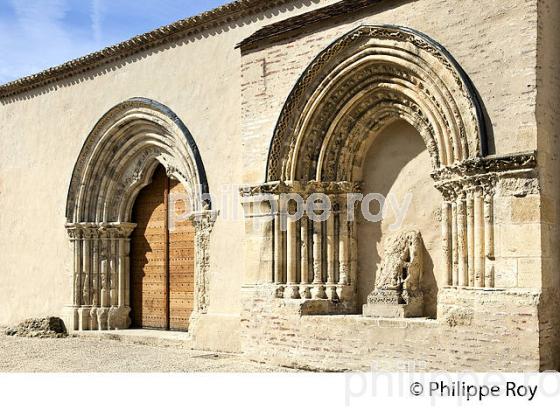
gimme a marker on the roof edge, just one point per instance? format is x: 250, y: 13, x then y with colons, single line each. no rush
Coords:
x: 294, y: 25
x: 162, y: 35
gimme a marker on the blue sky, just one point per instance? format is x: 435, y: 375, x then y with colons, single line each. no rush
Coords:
x: 37, y: 34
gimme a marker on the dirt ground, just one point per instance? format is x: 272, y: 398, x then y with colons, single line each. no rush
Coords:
x: 83, y: 354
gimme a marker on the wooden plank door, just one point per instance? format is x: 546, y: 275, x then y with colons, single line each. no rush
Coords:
x: 161, y: 260
x: 148, y: 258
x: 181, y: 260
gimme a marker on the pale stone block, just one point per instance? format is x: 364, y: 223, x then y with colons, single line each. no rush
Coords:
x: 525, y: 210
x: 506, y: 272
x: 530, y: 272
x: 520, y: 240
x: 502, y: 209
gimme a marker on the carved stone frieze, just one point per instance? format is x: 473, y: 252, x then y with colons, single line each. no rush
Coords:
x: 204, y: 223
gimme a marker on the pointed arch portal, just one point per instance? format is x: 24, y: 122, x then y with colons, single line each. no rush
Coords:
x: 117, y: 161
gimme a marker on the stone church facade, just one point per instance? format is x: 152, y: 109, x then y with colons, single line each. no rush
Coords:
x: 247, y: 112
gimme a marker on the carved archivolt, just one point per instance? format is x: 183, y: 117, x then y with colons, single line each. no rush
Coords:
x: 361, y: 83
x: 366, y: 80
x: 116, y: 162
x: 119, y: 156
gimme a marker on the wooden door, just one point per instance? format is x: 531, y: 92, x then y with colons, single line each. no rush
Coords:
x: 161, y: 261
x: 181, y: 260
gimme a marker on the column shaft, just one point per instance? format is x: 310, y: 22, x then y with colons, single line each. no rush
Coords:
x: 470, y: 239
x: 318, y: 291
x: 87, y: 270
x: 489, y: 239
x: 445, y: 240
x: 278, y: 250
x: 454, y: 244
x: 479, y: 238
x: 462, y: 241
x: 122, y: 266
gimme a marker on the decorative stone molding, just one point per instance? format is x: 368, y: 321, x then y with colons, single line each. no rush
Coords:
x: 366, y: 80
x: 116, y: 162
x: 100, y: 279
x: 361, y: 83
x: 469, y: 189
x: 298, y: 245
x: 303, y: 188
x: 203, y: 223
x: 483, y: 167
x: 120, y: 154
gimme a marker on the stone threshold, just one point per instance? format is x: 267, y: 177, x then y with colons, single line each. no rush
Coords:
x: 146, y: 337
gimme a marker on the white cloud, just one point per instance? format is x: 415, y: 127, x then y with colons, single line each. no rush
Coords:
x: 37, y: 38
x: 97, y: 9
x: 37, y: 34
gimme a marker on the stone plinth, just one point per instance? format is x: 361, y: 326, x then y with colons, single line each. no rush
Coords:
x: 390, y: 303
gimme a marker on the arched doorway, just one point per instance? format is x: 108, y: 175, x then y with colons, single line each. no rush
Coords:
x: 364, y: 82
x: 137, y: 143
x: 161, y: 257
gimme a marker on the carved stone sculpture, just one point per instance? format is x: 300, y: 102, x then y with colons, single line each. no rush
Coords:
x: 397, y: 289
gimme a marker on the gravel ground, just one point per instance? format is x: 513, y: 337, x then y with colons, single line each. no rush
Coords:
x: 83, y: 354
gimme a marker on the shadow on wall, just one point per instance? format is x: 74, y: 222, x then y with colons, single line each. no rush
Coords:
x: 398, y: 167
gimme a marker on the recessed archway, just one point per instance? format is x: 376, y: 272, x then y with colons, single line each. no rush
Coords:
x: 367, y: 78
x: 117, y: 161
x: 362, y: 83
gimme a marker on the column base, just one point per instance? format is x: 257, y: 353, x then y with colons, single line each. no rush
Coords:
x: 119, y: 318
x: 71, y: 318
x: 318, y: 292
x: 291, y: 292
x: 345, y: 292
x: 331, y: 292
x: 84, y: 318
x: 305, y: 291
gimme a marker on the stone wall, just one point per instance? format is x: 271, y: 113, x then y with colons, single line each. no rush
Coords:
x: 43, y: 130
x: 548, y: 127
x: 503, y: 75
x: 515, y: 325
x: 475, y: 331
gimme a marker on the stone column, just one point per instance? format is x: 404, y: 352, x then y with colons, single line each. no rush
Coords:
x: 470, y: 238
x: 127, y: 271
x: 95, y: 279
x: 77, y: 240
x: 278, y: 247
x: 204, y: 223
x: 113, y: 262
x: 479, y: 238
x: 122, y: 272
x: 454, y: 244
x: 105, y: 302
x: 318, y: 290
x: 489, y: 238
x: 86, y: 296
x: 72, y: 315
x: 331, y: 253
x: 446, y: 240
x: 292, y: 287
x: 353, y: 251
x: 462, y: 240
x: 304, y: 289
x: 344, y: 291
